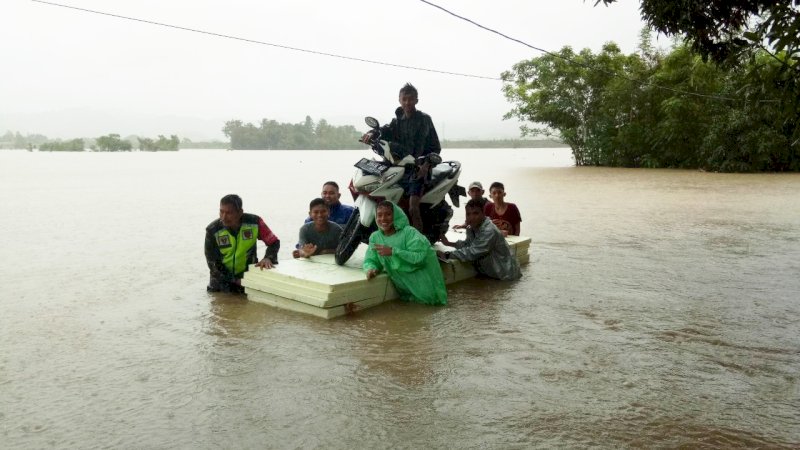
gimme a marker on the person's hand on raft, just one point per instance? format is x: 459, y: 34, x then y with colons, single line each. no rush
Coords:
x: 265, y: 263
x: 308, y: 250
x: 372, y: 273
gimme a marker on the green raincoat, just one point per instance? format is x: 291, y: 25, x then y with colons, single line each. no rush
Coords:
x: 412, y: 267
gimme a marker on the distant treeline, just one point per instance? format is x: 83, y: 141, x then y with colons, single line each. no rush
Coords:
x: 346, y: 139
x: 72, y: 145
x: 107, y: 143
x: 187, y: 143
x: 309, y: 135
x: 306, y: 135
x: 17, y: 140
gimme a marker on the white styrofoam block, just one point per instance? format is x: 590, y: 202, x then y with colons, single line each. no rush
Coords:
x: 320, y: 287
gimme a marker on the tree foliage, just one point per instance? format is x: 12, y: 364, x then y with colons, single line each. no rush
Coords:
x: 17, y: 140
x: 759, y: 37
x: 112, y: 143
x: 160, y: 144
x: 723, y: 29
x: 271, y: 135
x: 72, y: 145
x: 657, y: 110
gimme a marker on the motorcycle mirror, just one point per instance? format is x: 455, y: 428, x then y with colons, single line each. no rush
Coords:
x: 372, y: 122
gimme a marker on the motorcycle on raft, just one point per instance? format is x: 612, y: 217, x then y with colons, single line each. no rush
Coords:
x: 379, y: 179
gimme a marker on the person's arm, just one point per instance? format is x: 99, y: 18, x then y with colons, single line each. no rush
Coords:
x: 387, y: 131
x: 307, y: 250
x: 411, y: 254
x: 517, y: 220
x: 372, y: 264
x: 432, y: 145
x: 219, y: 274
x: 449, y: 243
x: 302, y: 240
x: 273, y: 245
x: 477, y: 247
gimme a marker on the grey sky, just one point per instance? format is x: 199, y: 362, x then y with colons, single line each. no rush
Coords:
x: 68, y: 73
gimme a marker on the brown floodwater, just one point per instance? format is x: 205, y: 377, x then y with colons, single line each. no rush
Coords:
x: 661, y: 308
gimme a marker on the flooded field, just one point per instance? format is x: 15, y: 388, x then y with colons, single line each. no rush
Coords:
x: 660, y: 309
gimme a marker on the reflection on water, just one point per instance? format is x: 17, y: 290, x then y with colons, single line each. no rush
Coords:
x: 659, y: 310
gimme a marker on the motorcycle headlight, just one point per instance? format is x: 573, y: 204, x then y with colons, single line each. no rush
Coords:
x: 371, y: 186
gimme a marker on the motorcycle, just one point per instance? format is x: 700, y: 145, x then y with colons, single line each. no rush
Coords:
x: 379, y: 179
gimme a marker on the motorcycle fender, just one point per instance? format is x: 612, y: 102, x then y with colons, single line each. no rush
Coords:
x: 367, y: 209
x: 438, y: 193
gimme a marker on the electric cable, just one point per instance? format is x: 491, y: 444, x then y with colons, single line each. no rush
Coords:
x: 402, y: 66
x: 271, y: 44
x: 572, y: 61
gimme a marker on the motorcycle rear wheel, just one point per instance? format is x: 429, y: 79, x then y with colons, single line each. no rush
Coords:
x: 351, y: 236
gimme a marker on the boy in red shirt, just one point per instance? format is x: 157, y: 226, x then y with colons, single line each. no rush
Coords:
x: 504, y: 215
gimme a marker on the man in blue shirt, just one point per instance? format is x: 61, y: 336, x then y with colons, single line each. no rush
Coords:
x: 337, y: 212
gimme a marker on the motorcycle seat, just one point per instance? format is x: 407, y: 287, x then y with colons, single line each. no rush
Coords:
x: 443, y: 170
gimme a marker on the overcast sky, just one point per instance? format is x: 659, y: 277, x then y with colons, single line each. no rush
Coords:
x: 68, y: 73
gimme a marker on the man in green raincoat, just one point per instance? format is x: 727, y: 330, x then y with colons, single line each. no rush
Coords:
x: 406, y: 256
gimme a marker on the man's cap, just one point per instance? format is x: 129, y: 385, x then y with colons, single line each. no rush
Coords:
x: 475, y: 184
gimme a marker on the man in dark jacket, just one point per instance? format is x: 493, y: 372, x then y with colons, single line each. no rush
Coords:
x: 231, y: 245
x: 411, y: 132
x: 485, y: 246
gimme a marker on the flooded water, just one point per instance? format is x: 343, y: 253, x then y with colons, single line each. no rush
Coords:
x: 661, y: 308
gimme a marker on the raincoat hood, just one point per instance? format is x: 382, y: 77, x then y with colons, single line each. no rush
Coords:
x: 412, y: 266
x: 400, y: 220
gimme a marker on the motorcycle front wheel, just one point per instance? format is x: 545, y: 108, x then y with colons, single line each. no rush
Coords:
x: 351, y: 236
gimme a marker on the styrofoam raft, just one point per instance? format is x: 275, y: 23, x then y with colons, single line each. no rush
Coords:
x: 320, y: 287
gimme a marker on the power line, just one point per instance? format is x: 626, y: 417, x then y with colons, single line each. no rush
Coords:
x: 254, y: 41
x: 572, y: 61
x: 382, y: 63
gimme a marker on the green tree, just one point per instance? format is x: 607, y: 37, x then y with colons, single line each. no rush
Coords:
x: 566, y: 92
x: 73, y: 145
x: 112, y: 143
x: 654, y: 110
x: 146, y: 144
x: 289, y: 136
x: 167, y: 144
x: 722, y: 29
x: 761, y: 37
